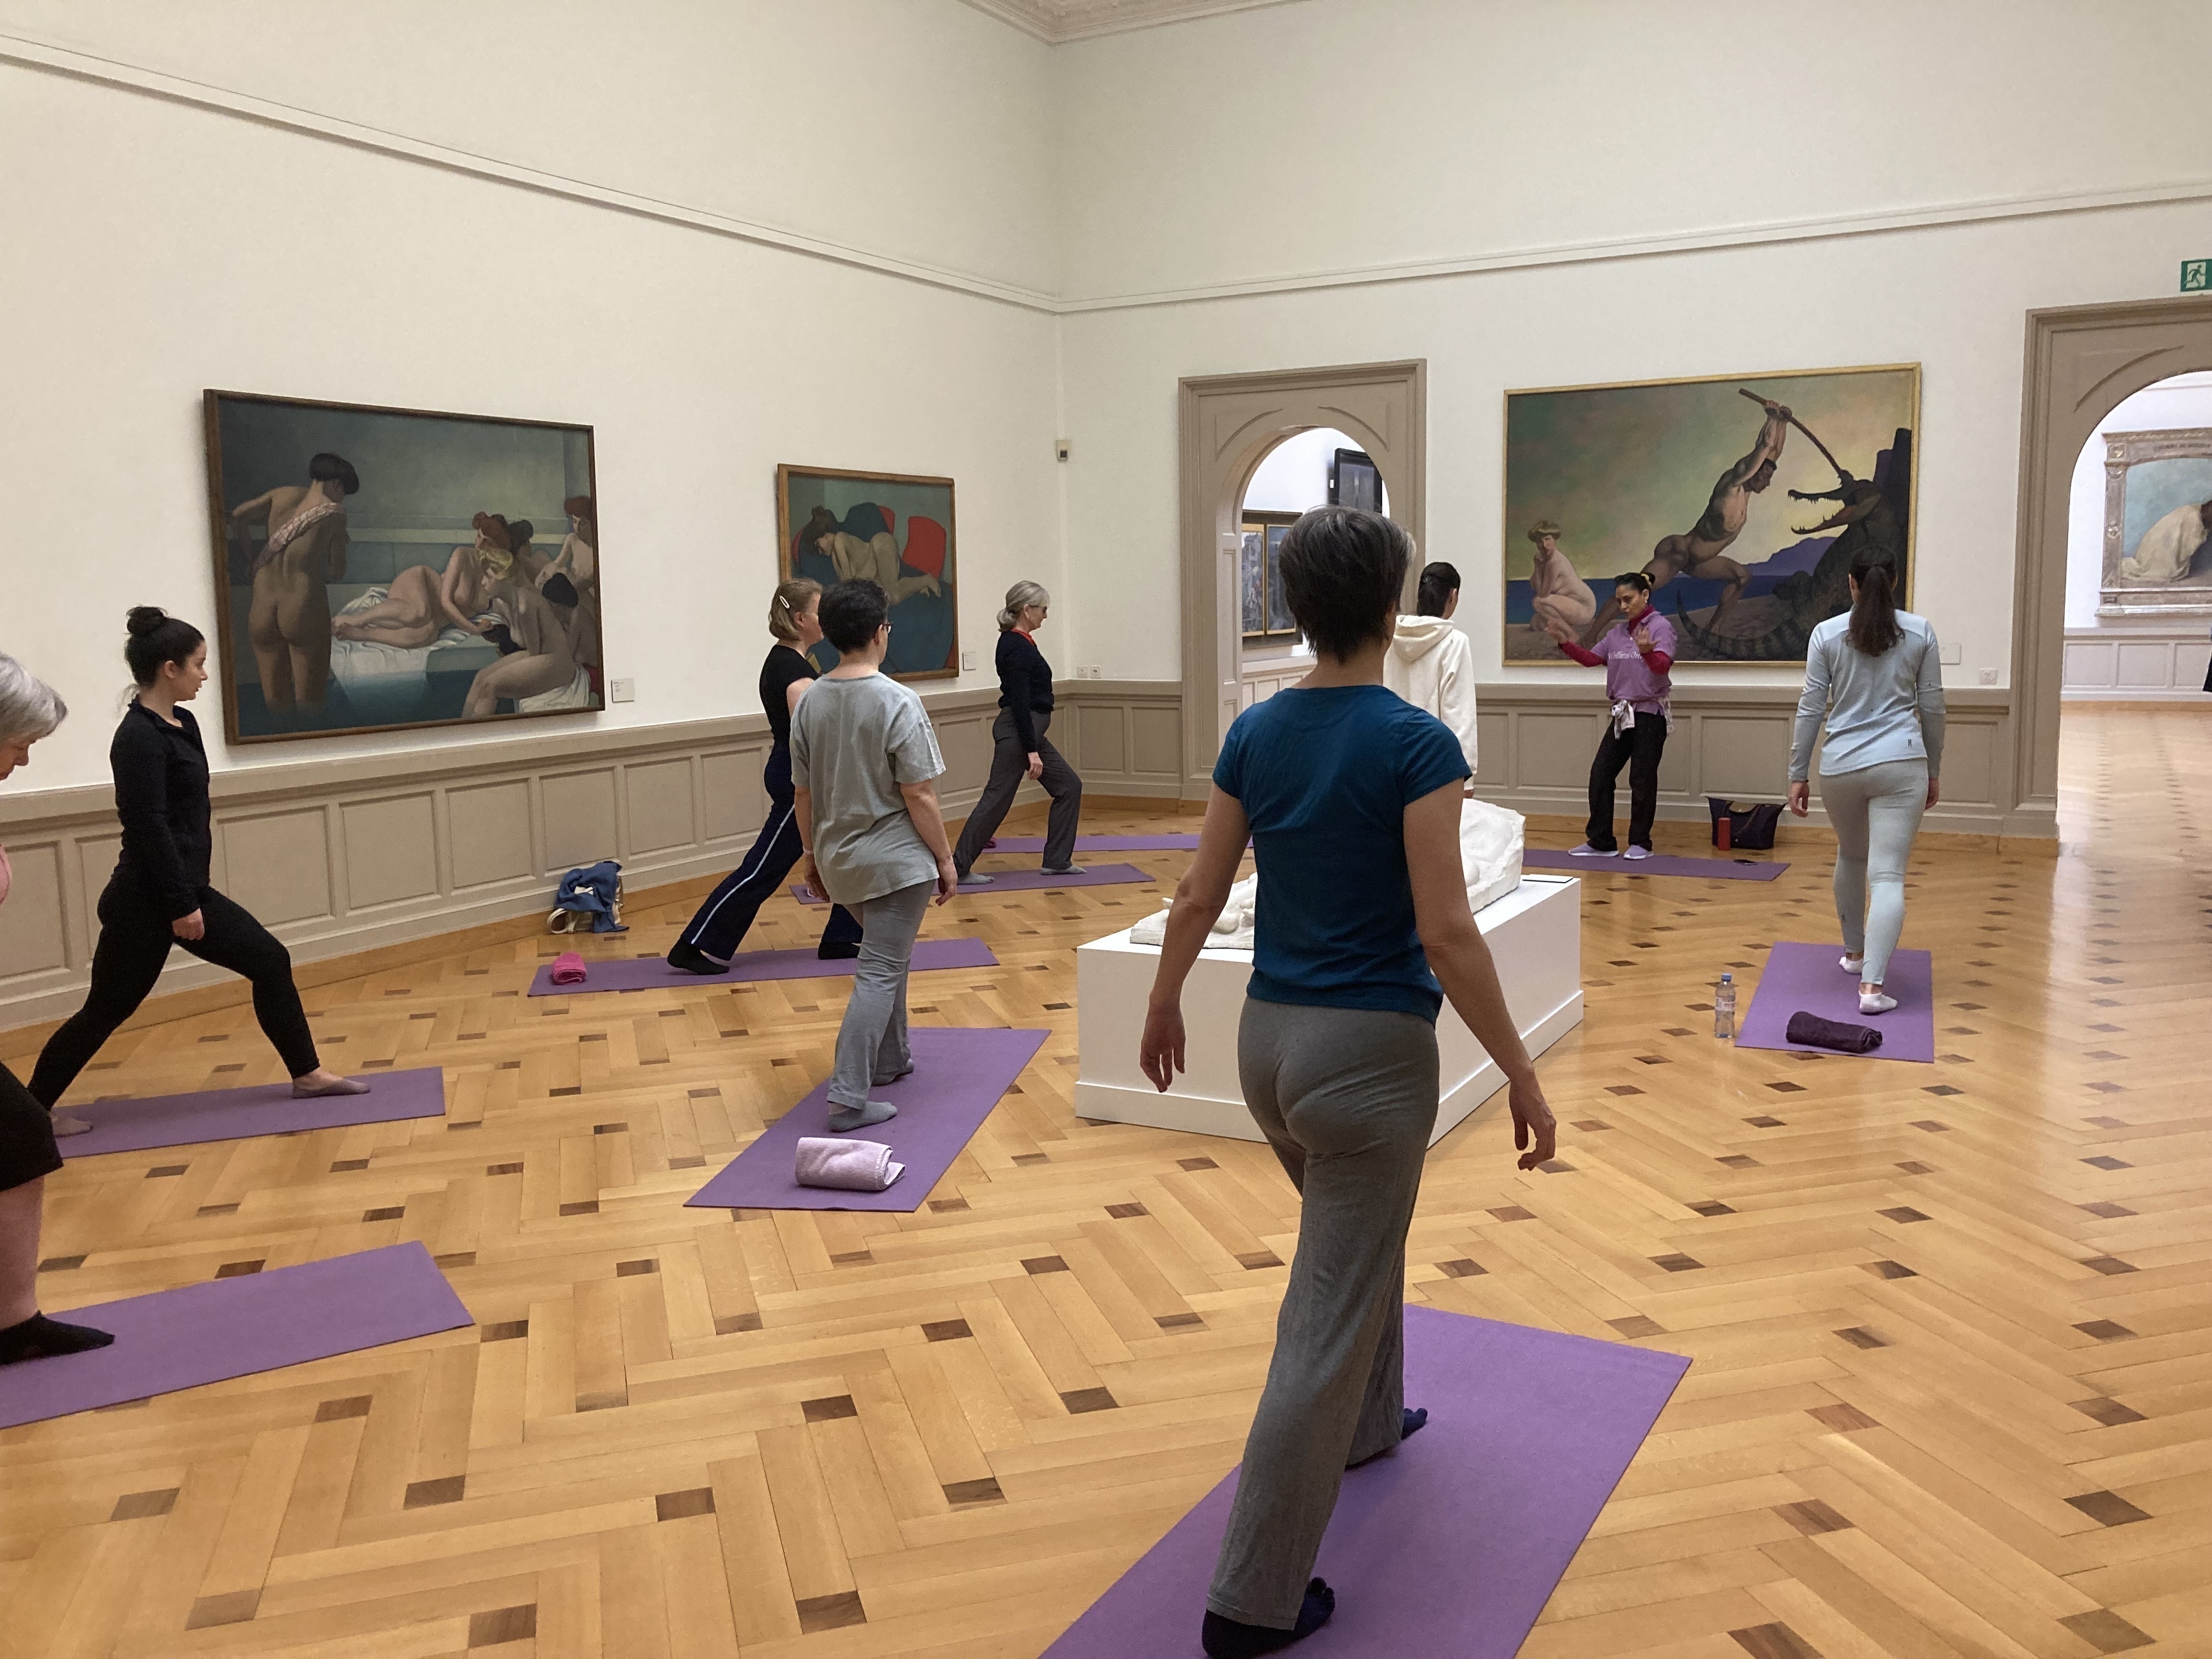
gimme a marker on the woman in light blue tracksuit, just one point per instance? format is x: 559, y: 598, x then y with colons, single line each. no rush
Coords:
x: 1875, y: 675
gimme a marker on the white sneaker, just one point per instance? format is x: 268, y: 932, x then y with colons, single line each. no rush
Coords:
x: 1635, y: 851
x: 1877, y: 1004
x: 1586, y: 851
x: 1851, y: 964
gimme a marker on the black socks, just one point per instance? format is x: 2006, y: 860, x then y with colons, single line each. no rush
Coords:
x: 1224, y: 1638
x: 690, y: 959
x: 41, y: 1338
x: 1414, y: 1420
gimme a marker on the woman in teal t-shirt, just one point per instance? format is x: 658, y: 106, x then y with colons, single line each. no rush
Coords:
x: 1351, y: 797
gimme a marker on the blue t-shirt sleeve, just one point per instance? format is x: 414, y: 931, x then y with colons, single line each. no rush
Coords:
x: 1229, y: 769
x: 1429, y: 757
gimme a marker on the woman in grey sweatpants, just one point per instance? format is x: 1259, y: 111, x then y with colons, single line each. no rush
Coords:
x: 1875, y: 675
x: 1351, y: 797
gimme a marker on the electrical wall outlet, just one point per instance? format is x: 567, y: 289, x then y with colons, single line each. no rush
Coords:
x: 967, y: 662
x: 622, y: 690
x: 1954, y: 655
x: 1989, y: 677
x: 1091, y: 672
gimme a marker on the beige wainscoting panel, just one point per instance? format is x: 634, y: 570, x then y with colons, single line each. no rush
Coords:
x: 1537, y: 741
x: 30, y: 928
x: 490, y: 830
x: 348, y: 854
x: 391, y: 849
x: 1156, y: 746
x: 736, y: 802
x: 1101, y: 736
x: 579, y: 818
x: 660, y: 804
x: 278, y: 863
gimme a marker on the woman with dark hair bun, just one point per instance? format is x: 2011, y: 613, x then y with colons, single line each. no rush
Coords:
x: 1352, y: 802
x: 1875, y: 675
x: 289, y: 621
x: 1637, y: 655
x: 159, y: 895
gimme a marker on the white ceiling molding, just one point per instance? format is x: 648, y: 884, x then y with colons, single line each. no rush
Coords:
x: 1054, y: 21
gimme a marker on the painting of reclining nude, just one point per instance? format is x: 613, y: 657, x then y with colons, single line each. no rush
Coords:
x: 384, y: 567
x: 2158, y: 523
x: 1744, y: 498
x: 892, y: 530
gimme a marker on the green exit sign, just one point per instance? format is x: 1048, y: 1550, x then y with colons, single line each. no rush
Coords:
x: 2196, y: 276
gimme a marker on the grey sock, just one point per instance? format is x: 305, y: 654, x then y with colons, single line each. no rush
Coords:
x: 842, y: 1118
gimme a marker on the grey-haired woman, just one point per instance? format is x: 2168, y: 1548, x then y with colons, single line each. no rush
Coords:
x: 29, y: 710
x: 1020, y: 750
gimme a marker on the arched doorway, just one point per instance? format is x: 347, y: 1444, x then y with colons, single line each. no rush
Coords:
x: 2082, y: 361
x: 1229, y: 422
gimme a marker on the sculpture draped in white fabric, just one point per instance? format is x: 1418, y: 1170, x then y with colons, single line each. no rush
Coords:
x: 1489, y: 842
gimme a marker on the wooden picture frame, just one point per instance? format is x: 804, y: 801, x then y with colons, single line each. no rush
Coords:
x: 894, y: 528
x: 306, y: 648
x: 2150, y: 477
x: 1631, y: 476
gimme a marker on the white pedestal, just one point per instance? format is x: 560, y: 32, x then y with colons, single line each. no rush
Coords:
x: 1534, y: 933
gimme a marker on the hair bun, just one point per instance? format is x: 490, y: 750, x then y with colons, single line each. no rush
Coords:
x: 144, y: 619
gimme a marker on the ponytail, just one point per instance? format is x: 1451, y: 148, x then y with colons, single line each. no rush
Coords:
x: 784, y: 610
x: 1439, y: 581
x: 1874, y: 630
x: 1019, y: 597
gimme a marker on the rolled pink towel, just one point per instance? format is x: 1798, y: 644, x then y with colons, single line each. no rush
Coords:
x: 852, y: 1166
x: 568, y: 969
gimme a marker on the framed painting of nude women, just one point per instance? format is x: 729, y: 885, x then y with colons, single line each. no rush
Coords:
x: 1744, y: 497
x: 382, y: 568
x: 888, y: 528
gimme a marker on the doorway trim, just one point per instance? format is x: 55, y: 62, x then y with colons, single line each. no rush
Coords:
x: 1227, y: 424
x: 2081, y: 363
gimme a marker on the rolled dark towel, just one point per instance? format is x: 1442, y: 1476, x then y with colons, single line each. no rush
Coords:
x: 1813, y: 1032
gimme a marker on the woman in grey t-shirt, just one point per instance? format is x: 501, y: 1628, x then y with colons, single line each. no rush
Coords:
x: 1875, y: 675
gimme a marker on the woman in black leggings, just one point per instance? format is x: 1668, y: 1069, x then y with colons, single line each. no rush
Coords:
x: 159, y: 896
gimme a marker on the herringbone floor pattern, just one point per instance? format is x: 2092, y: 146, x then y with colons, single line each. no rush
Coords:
x: 1952, y: 1325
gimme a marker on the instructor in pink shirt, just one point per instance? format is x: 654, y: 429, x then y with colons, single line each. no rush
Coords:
x: 1636, y: 653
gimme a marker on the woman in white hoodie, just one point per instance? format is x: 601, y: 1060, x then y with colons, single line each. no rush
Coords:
x: 1430, y: 662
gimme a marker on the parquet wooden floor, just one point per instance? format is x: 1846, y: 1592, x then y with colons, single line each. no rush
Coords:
x: 1952, y: 1325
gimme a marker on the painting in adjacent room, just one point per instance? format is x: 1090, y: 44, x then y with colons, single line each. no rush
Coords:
x: 385, y: 568
x: 889, y: 529
x: 1745, y: 498
x: 2158, y: 523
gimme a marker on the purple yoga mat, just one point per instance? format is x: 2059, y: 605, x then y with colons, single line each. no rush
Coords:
x: 958, y: 1077
x: 1659, y: 864
x: 1174, y: 843
x: 1024, y: 881
x: 121, y: 1125
x: 653, y: 973
x: 1453, y: 1544
x: 1807, y: 976
x: 226, y: 1328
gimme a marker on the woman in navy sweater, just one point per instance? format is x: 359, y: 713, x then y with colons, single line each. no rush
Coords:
x: 1020, y: 749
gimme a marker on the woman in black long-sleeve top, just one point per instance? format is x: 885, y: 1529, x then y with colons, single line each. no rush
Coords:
x: 159, y: 896
x: 1020, y: 749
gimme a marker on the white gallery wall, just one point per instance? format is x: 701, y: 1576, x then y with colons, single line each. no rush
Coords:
x: 1605, y: 192
x: 153, y: 248
x: 900, y: 234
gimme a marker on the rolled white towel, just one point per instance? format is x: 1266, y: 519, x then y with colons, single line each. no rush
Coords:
x: 852, y: 1166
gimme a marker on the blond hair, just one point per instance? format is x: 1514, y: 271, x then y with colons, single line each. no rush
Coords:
x: 785, y: 609
x: 1019, y: 597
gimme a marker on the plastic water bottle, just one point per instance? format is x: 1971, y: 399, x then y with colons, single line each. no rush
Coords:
x: 1724, y: 1008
